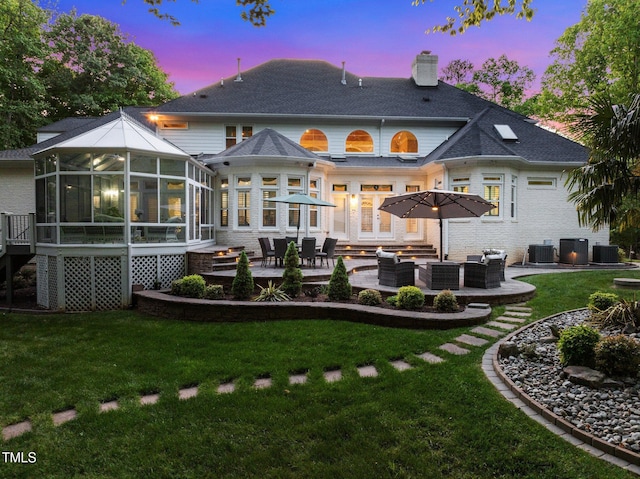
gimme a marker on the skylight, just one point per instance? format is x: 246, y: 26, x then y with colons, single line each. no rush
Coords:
x: 506, y: 133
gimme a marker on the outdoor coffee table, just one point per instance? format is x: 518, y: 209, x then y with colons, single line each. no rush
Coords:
x: 440, y: 275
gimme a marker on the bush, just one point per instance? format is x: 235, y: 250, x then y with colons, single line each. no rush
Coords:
x: 599, y: 301
x: 410, y: 297
x: 242, y: 286
x: 214, y: 291
x: 339, y: 286
x: 618, y: 356
x: 271, y: 293
x: 619, y: 315
x: 445, y: 302
x: 176, y: 287
x: 369, y: 297
x: 622, y: 255
x: 192, y: 286
x: 292, y: 276
x: 577, y: 346
x: 392, y: 300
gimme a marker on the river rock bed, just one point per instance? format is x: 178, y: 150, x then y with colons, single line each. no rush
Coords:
x: 610, y: 414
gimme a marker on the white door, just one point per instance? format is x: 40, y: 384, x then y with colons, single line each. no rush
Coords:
x: 373, y: 223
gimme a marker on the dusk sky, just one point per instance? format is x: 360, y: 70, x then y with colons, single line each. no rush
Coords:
x: 373, y: 37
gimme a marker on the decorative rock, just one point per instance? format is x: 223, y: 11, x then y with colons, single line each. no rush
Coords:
x: 508, y: 348
x: 585, y: 376
x: 555, y: 331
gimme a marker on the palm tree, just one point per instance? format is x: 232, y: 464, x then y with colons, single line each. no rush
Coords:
x: 612, y: 132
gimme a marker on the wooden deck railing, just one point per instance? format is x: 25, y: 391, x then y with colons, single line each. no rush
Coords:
x: 17, y: 230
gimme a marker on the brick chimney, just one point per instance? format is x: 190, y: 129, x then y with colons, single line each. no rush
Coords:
x: 425, y: 69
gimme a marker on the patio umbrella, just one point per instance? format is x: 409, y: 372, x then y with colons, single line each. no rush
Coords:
x: 440, y: 204
x: 301, y: 199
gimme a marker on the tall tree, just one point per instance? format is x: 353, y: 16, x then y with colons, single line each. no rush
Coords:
x: 605, y: 186
x: 470, y: 12
x: 502, y: 81
x: 93, y: 69
x: 599, y: 54
x: 21, y: 91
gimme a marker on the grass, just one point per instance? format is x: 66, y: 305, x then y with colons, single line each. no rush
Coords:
x: 443, y: 420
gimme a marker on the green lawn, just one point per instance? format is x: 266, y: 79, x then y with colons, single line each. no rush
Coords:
x: 432, y: 421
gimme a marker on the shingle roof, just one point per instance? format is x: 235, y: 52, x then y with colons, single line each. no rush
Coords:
x: 312, y: 87
x: 480, y: 138
x: 265, y: 143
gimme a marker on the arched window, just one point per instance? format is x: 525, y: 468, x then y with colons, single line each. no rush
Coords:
x: 404, y: 142
x: 359, y: 141
x: 314, y: 140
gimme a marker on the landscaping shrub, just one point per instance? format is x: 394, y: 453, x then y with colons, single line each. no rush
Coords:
x: 617, y: 316
x: 618, y: 356
x: 176, y: 287
x: 599, y: 301
x: 577, y: 346
x: 339, y: 286
x: 271, y: 293
x: 622, y: 255
x: 191, y: 286
x: 214, y: 291
x: 392, y: 300
x: 369, y: 297
x: 242, y: 286
x: 445, y: 302
x: 292, y: 276
x: 410, y: 297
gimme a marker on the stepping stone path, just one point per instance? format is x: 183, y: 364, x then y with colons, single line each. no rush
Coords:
x: 298, y: 379
x: 333, y: 375
x: 367, y: 371
x: 109, y: 406
x: 188, y: 393
x: 64, y: 416
x: 512, y: 318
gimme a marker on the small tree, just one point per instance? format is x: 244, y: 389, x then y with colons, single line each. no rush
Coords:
x: 292, y: 276
x: 242, y: 286
x: 339, y: 286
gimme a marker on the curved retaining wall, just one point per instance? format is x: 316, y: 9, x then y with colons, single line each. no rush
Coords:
x: 160, y: 304
x: 558, y: 421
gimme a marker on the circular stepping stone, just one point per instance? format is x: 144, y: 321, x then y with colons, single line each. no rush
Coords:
x: 630, y: 283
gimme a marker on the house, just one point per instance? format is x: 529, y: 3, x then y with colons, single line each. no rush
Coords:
x: 121, y: 199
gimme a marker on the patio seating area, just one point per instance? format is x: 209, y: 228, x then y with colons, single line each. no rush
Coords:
x: 308, y: 251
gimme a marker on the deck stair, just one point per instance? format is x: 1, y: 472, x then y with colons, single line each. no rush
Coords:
x: 409, y: 251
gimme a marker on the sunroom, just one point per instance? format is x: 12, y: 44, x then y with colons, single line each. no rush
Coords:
x: 116, y: 206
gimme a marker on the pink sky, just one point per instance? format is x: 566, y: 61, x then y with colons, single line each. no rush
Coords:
x: 373, y: 37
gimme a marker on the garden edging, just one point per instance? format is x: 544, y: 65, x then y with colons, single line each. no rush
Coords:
x: 163, y: 305
x: 554, y: 419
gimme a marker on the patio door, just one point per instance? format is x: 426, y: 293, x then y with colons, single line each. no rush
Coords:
x: 374, y: 224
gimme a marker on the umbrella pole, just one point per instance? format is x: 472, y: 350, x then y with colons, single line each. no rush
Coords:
x: 441, y: 240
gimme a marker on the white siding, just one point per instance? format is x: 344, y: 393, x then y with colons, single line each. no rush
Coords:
x: 18, y: 192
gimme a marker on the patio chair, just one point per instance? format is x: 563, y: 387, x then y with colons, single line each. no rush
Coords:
x: 392, y: 273
x: 309, y: 251
x: 482, y: 275
x: 279, y: 249
x: 328, y: 251
x: 289, y: 239
x: 267, y: 251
